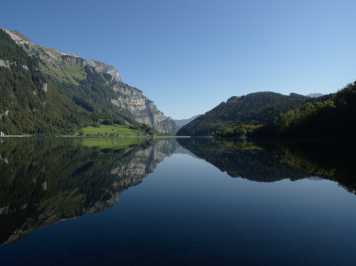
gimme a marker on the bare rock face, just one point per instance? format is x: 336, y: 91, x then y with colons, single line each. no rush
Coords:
x: 69, y: 68
x: 104, y: 68
x: 143, y: 109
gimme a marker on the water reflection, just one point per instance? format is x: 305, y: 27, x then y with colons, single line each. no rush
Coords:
x: 269, y: 162
x: 42, y: 183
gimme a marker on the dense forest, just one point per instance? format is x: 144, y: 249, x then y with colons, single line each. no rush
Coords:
x: 331, y: 116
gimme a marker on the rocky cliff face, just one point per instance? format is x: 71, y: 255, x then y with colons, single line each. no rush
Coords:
x: 72, y: 70
x: 143, y: 109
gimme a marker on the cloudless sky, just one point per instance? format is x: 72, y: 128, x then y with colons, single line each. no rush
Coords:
x: 189, y: 55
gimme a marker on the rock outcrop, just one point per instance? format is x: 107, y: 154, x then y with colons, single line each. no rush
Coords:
x: 143, y: 109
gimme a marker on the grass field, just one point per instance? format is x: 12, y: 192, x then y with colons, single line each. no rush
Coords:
x: 108, y: 131
x: 111, y: 143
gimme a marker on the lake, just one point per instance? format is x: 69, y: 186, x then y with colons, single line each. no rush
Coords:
x: 176, y: 202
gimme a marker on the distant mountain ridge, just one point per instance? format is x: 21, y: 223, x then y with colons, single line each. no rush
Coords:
x: 61, y: 92
x: 182, y: 122
x: 315, y: 95
x: 254, y: 108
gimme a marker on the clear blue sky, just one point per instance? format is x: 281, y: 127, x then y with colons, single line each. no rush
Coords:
x: 189, y: 55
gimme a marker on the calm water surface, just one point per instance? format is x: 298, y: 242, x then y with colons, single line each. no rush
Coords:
x: 185, y: 202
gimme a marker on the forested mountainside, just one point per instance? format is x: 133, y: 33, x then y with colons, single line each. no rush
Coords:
x: 44, y: 91
x: 255, y: 109
x: 330, y: 116
x: 272, y: 115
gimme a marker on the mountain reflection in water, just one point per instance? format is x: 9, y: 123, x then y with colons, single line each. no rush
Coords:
x: 42, y: 183
x: 268, y: 162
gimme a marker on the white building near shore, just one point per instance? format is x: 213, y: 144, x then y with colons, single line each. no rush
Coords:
x: 2, y: 134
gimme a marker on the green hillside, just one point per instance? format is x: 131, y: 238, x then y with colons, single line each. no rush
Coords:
x: 331, y: 116
x: 251, y: 111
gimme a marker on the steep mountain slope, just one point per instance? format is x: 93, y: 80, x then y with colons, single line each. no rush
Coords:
x: 46, y: 91
x: 256, y: 108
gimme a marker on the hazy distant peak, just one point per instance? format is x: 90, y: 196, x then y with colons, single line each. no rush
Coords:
x: 296, y: 94
x: 314, y: 95
x: 182, y: 122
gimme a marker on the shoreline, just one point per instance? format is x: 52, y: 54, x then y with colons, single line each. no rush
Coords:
x: 93, y: 136
x: 16, y: 136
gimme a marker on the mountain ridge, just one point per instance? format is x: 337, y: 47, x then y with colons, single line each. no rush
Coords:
x: 255, y: 108
x: 90, y: 90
